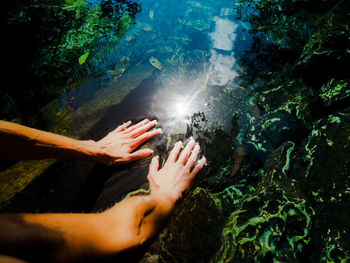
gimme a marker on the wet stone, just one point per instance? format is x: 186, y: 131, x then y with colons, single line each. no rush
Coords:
x: 321, y: 168
x: 274, y: 221
x: 334, y: 91
x: 196, y: 225
x: 293, y: 98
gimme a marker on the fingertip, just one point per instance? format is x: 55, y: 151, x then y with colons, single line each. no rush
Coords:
x: 154, y: 164
x: 197, y: 147
x: 148, y: 152
x: 203, y: 161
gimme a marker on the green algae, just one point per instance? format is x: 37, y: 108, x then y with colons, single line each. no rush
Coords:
x: 269, y: 219
x: 195, y: 225
x: 17, y: 177
x: 254, y: 237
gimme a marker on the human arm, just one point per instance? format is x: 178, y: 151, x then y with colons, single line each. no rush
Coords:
x: 83, y: 237
x: 21, y: 142
x: 127, y: 225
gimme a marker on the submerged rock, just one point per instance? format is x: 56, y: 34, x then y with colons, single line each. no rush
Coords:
x: 335, y: 91
x: 292, y: 98
x: 274, y: 221
x: 196, y: 225
x: 321, y: 168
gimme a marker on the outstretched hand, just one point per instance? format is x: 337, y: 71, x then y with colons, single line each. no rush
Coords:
x: 176, y: 176
x: 119, y: 145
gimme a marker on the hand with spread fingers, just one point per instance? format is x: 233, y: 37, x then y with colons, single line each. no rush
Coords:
x: 119, y: 145
x: 178, y: 172
x: 84, y: 237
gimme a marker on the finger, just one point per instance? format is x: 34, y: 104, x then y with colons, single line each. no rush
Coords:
x: 154, y: 165
x: 174, y: 152
x: 142, y: 129
x: 122, y: 127
x: 193, y: 157
x: 143, y: 153
x: 186, y: 151
x: 146, y: 136
x: 198, y: 167
x: 137, y: 125
x: 153, y: 169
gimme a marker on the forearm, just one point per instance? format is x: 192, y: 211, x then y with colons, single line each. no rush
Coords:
x: 21, y: 142
x: 78, y: 237
x: 139, y: 218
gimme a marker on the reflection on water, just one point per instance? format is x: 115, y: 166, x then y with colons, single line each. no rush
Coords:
x: 193, y: 46
x: 266, y: 190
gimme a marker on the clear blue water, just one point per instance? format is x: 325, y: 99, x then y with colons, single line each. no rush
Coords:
x: 272, y: 145
x: 198, y: 45
x: 196, y: 92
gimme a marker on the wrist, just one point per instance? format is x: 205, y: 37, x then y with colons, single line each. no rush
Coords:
x: 170, y: 195
x: 89, y: 150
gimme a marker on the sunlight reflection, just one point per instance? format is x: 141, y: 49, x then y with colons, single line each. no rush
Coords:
x: 175, y: 103
x: 181, y: 109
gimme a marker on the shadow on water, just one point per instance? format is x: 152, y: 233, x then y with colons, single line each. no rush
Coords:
x: 106, y: 185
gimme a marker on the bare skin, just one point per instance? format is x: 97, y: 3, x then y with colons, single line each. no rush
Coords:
x: 117, y: 147
x: 127, y: 225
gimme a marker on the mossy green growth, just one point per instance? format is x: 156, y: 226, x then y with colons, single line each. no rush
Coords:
x: 334, y: 90
x: 17, y: 177
x: 196, y: 225
x: 266, y: 224
x: 273, y: 221
x: 325, y: 180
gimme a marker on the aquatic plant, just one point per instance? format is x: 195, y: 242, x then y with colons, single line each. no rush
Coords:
x: 296, y: 73
x: 58, y: 36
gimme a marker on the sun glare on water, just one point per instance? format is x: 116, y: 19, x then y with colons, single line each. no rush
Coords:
x: 181, y: 109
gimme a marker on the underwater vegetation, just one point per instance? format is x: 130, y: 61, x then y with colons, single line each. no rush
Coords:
x: 290, y: 199
x: 277, y: 184
x: 48, y: 42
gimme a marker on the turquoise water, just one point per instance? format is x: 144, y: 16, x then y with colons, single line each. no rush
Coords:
x: 196, y: 44
x: 268, y: 101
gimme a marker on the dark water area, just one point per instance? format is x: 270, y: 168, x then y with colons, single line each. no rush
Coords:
x: 264, y: 89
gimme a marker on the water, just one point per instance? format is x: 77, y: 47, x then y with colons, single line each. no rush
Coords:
x: 272, y: 131
x: 195, y: 45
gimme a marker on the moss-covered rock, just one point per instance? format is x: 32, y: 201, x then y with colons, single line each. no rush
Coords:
x: 321, y: 168
x: 193, y: 233
x: 196, y: 226
x: 273, y: 222
x: 335, y: 91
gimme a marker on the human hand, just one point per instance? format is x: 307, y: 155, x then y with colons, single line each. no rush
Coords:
x: 118, y: 146
x: 177, y: 174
